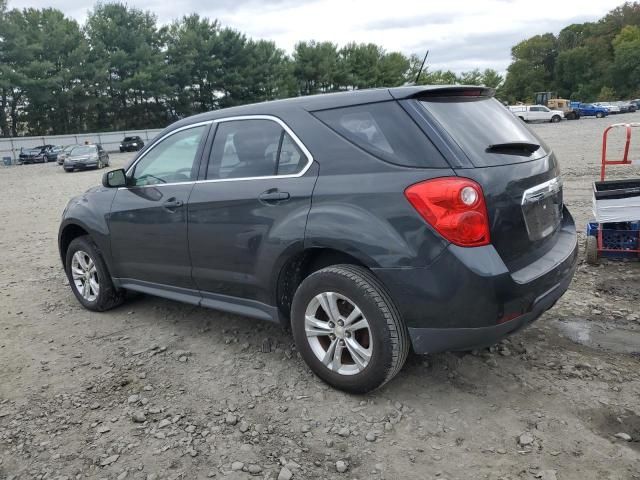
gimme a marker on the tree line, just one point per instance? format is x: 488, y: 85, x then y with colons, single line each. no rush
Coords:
x: 586, y: 62
x: 121, y: 70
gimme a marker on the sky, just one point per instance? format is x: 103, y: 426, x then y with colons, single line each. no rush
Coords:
x: 460, y: 34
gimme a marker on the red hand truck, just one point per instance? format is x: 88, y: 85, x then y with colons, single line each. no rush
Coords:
x: 615, y: 233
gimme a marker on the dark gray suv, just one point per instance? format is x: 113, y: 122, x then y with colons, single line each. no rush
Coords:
x: 371, y: 222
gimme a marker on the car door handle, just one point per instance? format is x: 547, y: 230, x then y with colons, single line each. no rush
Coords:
x: 273, y: 196
x: 172, y: 203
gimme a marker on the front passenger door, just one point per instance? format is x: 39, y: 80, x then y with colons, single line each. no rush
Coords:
x: 148, y: 219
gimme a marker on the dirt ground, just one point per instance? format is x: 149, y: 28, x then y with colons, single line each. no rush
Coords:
x: 161, y: 390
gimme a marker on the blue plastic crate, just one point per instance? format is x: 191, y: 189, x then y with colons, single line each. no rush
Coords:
x: 621, y: 236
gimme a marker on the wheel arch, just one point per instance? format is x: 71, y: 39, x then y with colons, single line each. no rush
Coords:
x: 67, y: 234
x: 303, y: 264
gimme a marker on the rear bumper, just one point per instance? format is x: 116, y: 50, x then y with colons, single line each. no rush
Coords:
x: 428, y: 340
x: 467, y: 298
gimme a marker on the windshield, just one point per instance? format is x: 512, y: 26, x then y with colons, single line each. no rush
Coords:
x: 478, y: 123
x: 84, y: 150
x: 129, y: 139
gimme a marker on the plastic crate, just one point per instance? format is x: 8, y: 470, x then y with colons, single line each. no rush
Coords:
x: 621, y: 237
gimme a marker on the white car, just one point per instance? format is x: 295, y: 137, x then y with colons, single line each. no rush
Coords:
x: 609, y: 106
x: 536, y: 113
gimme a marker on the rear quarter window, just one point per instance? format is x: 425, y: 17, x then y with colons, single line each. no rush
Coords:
x: 386, y: 131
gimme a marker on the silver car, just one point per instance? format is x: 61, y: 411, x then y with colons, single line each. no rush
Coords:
x: 86, y: 156
x: 65, y: 153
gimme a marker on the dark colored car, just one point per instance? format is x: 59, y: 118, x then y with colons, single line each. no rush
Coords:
x: 66, y: 150
x: 369, y: 221
x: 85, y: 156
x: 52, y: 153
x: 35, y: 155
x: 131, y: 144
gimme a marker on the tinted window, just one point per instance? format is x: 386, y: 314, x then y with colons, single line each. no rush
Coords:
x: 476, y: 123
x: 84, y: 150
x: 386, y: 131
x: 292, y: 160
x: 171, y: 160
x: 253, y: 148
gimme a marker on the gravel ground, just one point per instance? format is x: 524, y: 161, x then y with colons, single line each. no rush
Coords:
x: 161, y: 390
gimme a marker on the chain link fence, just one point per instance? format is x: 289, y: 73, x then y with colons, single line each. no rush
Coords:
x: 110, y: 141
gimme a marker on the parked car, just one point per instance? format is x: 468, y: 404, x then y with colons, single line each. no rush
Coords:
x: 86, y: 156
x: 369, y: 221
x: 626, y: 107
x: 34, y: 155
x: 65, y: 153
x: 131, y: 144
x: 609, y: 106
x: 592, y: 110
x: 52, y: 153
x: 536, y: 113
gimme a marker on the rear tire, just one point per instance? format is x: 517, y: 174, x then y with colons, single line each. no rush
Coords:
x: 97, y: 275
x: 370, y: 355
x: 591, y: 250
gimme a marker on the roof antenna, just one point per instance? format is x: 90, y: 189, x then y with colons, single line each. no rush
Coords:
x: 421, y: 68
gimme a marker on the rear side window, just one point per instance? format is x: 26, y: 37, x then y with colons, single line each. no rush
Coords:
x: 477, y: 124
x: 385, y: 131
x: 253, y: 148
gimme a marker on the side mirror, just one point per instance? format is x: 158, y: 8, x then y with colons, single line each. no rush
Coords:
x: 114, y: 179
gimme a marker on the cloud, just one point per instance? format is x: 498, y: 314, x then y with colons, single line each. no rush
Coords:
x: 484, y: 50
x: 408, y: 22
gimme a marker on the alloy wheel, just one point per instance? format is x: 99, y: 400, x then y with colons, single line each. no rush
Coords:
x: 338, y: 333
x: 85, y: 276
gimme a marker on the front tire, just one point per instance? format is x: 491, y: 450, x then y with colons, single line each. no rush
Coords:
x: 89, y: 277
x: 555, y: 119
x: 599, y: 115
x: 347, y: 328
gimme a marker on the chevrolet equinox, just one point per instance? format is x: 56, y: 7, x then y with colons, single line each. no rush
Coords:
x: 370, y: 222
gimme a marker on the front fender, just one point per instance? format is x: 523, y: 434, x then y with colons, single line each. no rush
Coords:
x: 90, y: 212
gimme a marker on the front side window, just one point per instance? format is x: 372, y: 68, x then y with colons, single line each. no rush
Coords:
x: 253, y: 148
x: 171, y: 160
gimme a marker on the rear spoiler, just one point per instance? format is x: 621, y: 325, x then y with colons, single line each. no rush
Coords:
x: 439, y: 91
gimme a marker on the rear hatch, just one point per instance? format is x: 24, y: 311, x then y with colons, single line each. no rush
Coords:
x: 518, y: 173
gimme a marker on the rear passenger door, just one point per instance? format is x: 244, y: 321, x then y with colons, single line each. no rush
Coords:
x: 249, y: 209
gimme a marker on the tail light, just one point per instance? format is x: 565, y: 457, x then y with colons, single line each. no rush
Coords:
x: 455, y: 207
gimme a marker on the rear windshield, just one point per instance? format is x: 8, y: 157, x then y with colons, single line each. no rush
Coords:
x: 386, y: 131
x: 478, y: 123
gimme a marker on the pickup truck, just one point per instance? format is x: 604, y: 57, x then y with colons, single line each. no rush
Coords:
x: 591, y: 110
x: 536, y: 113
